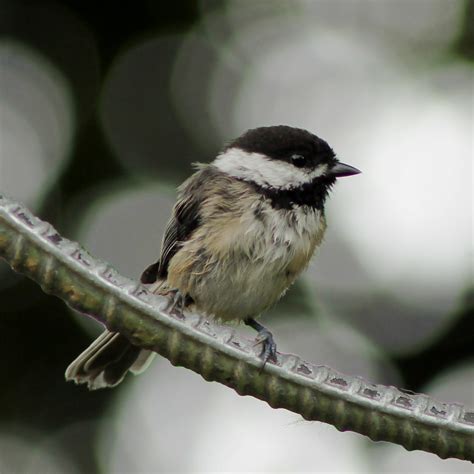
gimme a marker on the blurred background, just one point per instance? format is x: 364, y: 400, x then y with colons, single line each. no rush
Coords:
x: 103, y: 108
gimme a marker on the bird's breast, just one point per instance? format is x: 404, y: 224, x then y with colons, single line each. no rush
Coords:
x: 280, y: 235
x: 238, y: 265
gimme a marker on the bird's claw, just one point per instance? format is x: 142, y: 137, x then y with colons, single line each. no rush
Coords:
x: 269, y: 348
x: 176, y: 303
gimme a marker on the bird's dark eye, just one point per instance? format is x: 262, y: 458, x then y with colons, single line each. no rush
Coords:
x: 298, y: 160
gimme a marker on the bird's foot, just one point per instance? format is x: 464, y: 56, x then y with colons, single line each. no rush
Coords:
x: 264, y: 337
x: 269, y: 348
x: 177, y: 302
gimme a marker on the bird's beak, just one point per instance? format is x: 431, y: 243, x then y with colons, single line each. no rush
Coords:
x: 341, y: 169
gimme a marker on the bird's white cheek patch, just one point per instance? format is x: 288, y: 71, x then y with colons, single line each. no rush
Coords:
x: 263, y: 170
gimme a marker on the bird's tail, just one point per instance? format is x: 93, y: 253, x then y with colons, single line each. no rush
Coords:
x: 107, y: 360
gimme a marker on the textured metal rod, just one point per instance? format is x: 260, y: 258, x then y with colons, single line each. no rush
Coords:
x: 64, y: 269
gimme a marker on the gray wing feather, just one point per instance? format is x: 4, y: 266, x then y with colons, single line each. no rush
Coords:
x: 184, y: 221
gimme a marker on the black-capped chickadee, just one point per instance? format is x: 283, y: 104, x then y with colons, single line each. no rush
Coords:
x: 242, y: 230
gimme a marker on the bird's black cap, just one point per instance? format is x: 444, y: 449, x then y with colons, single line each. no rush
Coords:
x: 280, y: 142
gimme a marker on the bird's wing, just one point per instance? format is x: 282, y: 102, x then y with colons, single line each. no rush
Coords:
x: 184, y: 220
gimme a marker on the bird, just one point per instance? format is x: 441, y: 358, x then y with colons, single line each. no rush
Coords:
x: 243, y: 228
